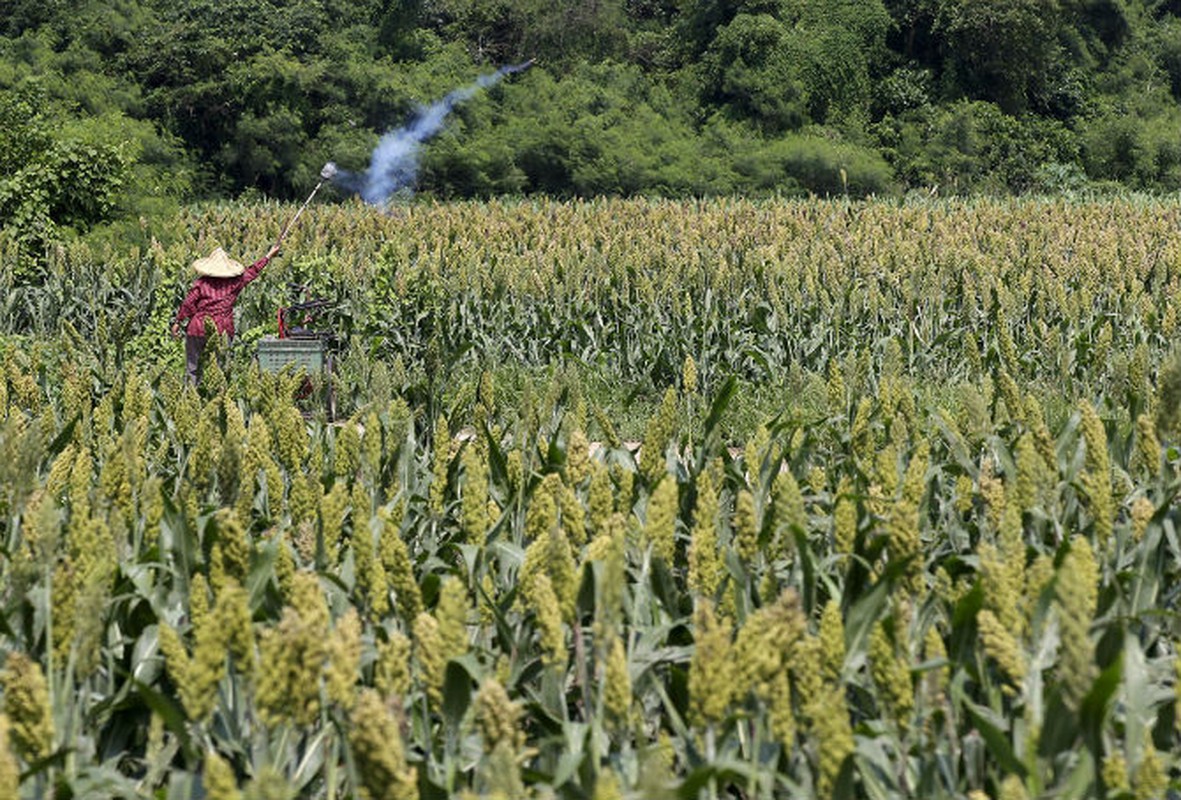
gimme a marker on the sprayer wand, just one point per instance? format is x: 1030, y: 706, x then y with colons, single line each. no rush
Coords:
x: 326, y: 174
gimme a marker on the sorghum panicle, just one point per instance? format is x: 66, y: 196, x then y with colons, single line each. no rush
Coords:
x: 844, y: 517
x: 474, y: 500
x: 711, y: 668
x: 1152, y: 777
x: 344, y: 659
x: 1115, y: 773
x: 26, y: 704
x: 10, y: 771
x: 233, y: 623
x: 498, y: 717
x: 235, y: 544
x: 346, y: 456
x: 832, y: 641
x: 1147, y: 459
x: 428, y: 650
x: 399, y: 570
x: 334, y: 507
x: 1076, y: 591
x: 1002, y: 647
x: 891, y: 675
x: 391, y: 670
x: 788, y: 511
x: 292, y: 655
x: 600, y: 497
x: 578, y: 462
x: 452, y: 613
x: 660, y: 527
x: 834, y: 735
x: 617, y: 686
x: 376, y: 745
x: 219, y: 779
x: 550, y: 555
x: 548, y: 616
x: 746, y: 525
x: 658, y: 435
x: 705, y: 562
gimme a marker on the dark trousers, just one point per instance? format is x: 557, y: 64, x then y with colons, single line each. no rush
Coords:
x: 194, y: 346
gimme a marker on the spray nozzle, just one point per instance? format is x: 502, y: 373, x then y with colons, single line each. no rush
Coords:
x: 328, y: 171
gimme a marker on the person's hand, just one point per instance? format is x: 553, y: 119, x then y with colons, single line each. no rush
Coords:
x: 274, y: 251
x: 176, y: 330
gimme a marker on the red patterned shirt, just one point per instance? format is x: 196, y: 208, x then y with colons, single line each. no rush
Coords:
x: 214, y: 298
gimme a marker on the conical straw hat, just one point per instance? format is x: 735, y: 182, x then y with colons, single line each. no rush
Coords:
x: 218, y: 265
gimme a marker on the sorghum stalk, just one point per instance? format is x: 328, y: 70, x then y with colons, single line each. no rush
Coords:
x: 439, y: 467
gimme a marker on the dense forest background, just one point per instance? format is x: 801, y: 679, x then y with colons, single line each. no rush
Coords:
x: 115, y: 109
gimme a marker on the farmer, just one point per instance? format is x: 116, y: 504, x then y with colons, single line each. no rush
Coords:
x: 219, y: 280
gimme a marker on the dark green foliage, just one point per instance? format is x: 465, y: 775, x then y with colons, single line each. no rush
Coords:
x: 1000, y: 48
x: 973, y: 146
x: 54, y: 174
x: 654, y: 97
x: 749, y: 70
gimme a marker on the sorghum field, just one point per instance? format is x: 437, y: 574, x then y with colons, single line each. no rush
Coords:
x: 628, y: 499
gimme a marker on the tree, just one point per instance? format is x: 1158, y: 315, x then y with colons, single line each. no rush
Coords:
x: 1001, y: 48
x: 749, y: 70
x: 56, y: 173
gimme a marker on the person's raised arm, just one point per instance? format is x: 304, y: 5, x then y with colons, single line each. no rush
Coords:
x: 252, y: 271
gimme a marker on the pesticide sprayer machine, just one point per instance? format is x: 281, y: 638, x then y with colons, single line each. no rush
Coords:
x: 301, y: 342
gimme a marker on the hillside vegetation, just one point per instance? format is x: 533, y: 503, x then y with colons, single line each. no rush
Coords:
x: 117, y: 110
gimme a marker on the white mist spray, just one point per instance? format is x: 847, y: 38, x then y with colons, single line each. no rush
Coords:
x: 393, y: 166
